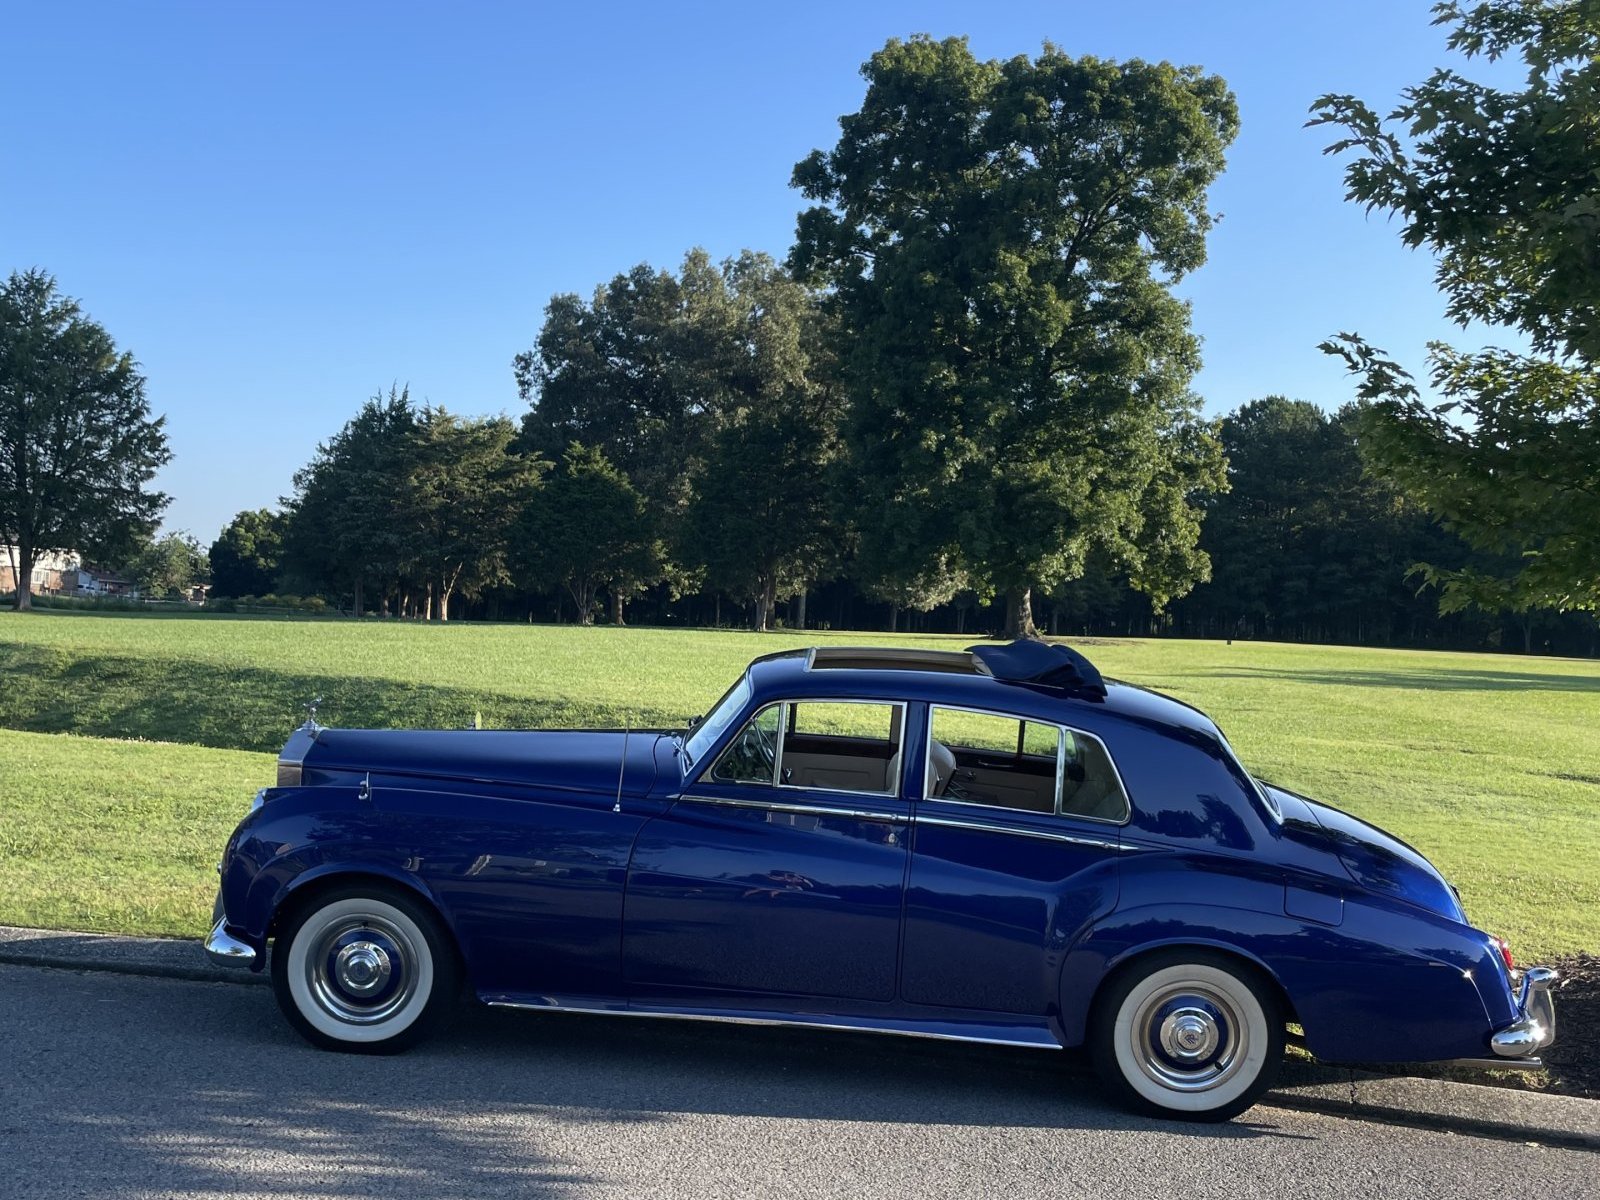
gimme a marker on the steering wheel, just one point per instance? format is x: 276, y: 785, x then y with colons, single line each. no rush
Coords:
x: 752, y: 756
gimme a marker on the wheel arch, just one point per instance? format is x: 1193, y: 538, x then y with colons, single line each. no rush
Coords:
x: 1093, y: 967
x: 317, y: 881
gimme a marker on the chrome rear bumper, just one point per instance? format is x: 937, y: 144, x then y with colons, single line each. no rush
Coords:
x: 1535, y: 1026
x: 225, y: 950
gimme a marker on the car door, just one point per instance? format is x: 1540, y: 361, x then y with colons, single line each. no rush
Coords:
x: 780, y: 871
x: 1014, y: 851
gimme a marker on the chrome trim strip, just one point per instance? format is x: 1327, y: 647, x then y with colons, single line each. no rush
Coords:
x: 986, y: 827
x: 225, y: 950
x: 809, y: 810
x: 771, y: 1022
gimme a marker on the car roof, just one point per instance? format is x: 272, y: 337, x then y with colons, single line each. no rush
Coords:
x: 963, y: 678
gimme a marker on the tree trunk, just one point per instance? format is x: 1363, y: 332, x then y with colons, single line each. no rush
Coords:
x: 359, y: 599
x: 1019, y: 614
x: 22, y: 575
x: 616, y: 607
x: 716, y: 620
x: 583, y: 597
x: 894, y: 618
x: 1527, y: 634
x: 800, y: 611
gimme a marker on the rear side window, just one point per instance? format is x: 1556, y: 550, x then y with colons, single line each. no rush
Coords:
x: 1009, y: 762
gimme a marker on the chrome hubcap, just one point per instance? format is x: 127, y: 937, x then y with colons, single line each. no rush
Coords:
x: 361, y: 970
x: 1189, y: 1034
x: 362, y: 967
x: 1189, y: 1037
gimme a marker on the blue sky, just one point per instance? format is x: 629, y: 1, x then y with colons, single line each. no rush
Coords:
x: 281, y: 209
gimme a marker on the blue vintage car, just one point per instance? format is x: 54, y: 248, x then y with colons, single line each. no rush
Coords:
x: 995, y: 846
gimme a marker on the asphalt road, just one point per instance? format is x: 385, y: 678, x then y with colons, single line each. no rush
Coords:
x: 121, y: 1086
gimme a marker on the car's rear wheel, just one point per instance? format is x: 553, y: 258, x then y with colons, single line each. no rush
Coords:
x: 1188, y: 1034
x: 364, y: 968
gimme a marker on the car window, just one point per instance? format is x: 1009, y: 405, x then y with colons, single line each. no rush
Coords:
x: 1090, y: 786
x: 1030, y: 766
x: 842, y: 746
x: 704, y: 735
x: 752, y: 755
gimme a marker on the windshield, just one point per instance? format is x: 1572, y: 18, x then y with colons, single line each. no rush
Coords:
x: 704, y: 735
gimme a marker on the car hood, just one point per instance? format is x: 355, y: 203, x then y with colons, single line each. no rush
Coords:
x: 1378, y: 861
x: 582, y: 760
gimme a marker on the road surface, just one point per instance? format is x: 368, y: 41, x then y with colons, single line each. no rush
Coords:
x: 115, y: 1086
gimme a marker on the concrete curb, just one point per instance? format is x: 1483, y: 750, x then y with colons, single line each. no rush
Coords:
x: 1472, y: 1108
x: 1394, y: 1099
x: 165, y: 958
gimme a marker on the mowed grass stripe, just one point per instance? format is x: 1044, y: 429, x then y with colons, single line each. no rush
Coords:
x: 1489, y: 764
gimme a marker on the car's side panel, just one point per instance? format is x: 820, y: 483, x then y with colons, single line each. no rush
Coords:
x: 761, y: 891
x: 531, y: 885
x: 1387, y: 983
x: 994, y: 899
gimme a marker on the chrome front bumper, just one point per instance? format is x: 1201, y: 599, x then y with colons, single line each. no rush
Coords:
x: 225, y: 950
x: 1535, y: 1026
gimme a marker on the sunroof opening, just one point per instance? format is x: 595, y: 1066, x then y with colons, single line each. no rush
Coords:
x: 869, y: 658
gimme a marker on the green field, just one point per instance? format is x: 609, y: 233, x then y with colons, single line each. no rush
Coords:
x: 1489, y: 764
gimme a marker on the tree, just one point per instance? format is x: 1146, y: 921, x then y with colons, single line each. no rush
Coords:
x: 760, y: 519
x: 461, y: 497
x: 586, y: 528
x: 346, y: 522
x: 248, y: 554
x: 1002, y: 238
x: 1502, y: 186
x: 77, y: 442
x: 170, y: 565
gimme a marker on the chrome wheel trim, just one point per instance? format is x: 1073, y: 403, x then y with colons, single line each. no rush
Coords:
x: 1191, y: 1037
x: 360, y: 970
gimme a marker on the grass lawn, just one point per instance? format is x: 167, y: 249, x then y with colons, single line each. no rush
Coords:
x: 1489, y: 764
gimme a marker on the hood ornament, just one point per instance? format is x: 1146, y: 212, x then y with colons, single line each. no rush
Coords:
x: 311, y: 725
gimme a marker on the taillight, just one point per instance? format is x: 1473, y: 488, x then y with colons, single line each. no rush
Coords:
x: 1505, y: 952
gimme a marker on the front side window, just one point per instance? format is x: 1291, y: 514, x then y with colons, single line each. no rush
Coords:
x: 1012, y: 763
x: 836, y: 745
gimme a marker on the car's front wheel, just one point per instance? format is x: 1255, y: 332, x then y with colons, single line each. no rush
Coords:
x: 1188, y: 1034
x: 364, y: 968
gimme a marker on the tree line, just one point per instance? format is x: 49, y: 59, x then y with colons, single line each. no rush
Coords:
x: 964, y: 397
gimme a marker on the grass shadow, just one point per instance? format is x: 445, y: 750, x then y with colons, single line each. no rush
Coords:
x: 254, y: 708
x: 1437, y: 680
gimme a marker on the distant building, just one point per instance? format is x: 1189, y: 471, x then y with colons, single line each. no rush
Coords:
x: 54, y: 571
x: 96, y: 581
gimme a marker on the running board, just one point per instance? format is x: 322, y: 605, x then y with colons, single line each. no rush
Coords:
x: 1034, y: 1037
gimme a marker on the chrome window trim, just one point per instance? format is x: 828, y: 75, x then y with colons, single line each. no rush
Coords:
x: 893, y: 793
x: 807, y: 810
x: 1023, y: 831
x: 1061, y: 763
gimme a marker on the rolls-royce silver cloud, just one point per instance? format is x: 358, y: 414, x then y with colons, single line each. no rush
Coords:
x: 994, y: 845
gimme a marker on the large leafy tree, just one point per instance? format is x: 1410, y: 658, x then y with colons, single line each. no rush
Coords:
x: 248, y: 554
x: 760, y: 522
x: 461, y: 498
x: 347, y: 528
x: 1002, y: 238
x: 78, y: 445
x: 585, y: 529
x: 1503, y: 185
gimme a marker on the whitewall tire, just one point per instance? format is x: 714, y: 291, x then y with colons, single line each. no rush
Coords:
x: 364, y: 968
x: 1188, y: 1034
